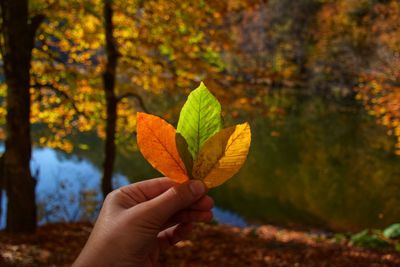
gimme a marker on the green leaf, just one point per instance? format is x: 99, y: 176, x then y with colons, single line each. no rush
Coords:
x: 393, y: 231
x: 200, y: 118
x: 183, y: 149
x: 368, y: 239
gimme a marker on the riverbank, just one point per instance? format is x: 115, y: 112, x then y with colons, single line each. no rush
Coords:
x: 210, y: 245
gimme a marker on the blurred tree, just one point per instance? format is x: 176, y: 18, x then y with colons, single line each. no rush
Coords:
x: 17, y: 41
x: 90, y: 78
x: 156, y: 55
x: 291, y: 29
x: 342, y: 46
x: 109, y: 77
x: 166, y: 62
x: 379, y: 82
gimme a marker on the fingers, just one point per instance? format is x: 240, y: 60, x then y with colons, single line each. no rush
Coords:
x: 200, y: 211
x: 173, y: 235
x: 145, y: 190
x: 174, y: 199
x: 204, y: 203
x: 154, y: 187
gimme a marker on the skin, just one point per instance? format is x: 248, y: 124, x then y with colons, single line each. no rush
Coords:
x: 137, y: 221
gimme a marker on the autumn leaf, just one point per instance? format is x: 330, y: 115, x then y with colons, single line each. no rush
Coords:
x: 184, y: 153
x: 211, y: 153
x: 199, y: 150
x: 156, y: 141
x: 223, y: 155
x: 200, y: 118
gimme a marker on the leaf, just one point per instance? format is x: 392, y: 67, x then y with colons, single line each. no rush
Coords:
x: 200, y: 118
x: 156, y: 141
x: 223, y: 155
x: 212, y: 151
x: 367, y: 239
x: 184, y: 153
x: 393, y: 231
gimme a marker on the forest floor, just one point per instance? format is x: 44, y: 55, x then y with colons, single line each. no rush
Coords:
x: 210, y: 245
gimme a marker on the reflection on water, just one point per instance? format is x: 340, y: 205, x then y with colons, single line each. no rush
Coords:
x: 228, y: 217
x: 68, y: 189
x: 324, y: 163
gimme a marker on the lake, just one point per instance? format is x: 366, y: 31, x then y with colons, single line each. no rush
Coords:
x: 324, y: 163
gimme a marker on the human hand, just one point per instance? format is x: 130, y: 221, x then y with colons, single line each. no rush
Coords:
x: 139, y: 220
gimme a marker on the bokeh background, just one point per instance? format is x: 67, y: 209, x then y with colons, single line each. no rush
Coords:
x: 318, y: 80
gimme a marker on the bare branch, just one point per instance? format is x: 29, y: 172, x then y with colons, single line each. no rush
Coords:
x: 33, y: 26
x: 50, y: 54
x: 50, y: 86
x: 135, y: 96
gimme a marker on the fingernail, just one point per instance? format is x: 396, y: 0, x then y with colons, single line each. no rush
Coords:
x: 197, y: 187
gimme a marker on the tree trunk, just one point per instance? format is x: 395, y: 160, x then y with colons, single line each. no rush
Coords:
x: 111, y: 99
x: 1, y: 184
x: 18, y: 36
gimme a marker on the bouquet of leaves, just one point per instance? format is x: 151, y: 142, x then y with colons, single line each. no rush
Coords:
x: 199, y: 148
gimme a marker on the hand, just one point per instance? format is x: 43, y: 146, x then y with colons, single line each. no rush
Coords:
x: 139, y: 220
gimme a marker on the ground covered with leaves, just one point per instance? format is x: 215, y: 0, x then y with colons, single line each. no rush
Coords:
x: 210, y: 245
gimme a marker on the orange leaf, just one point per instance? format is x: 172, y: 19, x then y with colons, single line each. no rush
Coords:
x: 156, y: 141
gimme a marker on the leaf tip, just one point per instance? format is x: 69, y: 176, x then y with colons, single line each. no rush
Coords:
x: 202, y: 86
x: 247, y: 126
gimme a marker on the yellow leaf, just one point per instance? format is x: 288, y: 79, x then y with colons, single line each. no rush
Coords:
x: 223, y: 155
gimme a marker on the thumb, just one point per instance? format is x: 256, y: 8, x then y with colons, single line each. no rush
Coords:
x: 175, y: 199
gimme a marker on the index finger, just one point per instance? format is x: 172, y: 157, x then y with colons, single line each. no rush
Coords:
x: 148, y: 189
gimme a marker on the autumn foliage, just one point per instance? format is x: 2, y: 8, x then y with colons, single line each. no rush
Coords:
x: 260, y: 59
x: 199, y: 149
x: 237, y: 47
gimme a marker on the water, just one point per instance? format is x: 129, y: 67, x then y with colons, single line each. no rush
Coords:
x: 68, y: 189
x: 324, y: 163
